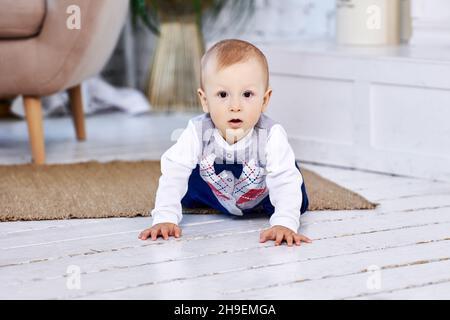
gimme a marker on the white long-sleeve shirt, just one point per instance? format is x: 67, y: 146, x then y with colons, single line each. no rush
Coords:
x: 277, y: 176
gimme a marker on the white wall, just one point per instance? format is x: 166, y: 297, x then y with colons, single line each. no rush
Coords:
x: 431, y: 22
x: 380, y: 109
x: 275, y: 20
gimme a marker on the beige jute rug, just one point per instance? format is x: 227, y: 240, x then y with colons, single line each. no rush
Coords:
x: 118, y: 189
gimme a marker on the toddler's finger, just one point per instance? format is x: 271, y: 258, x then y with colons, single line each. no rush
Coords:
x: 289, y: 240
x: 154, y: 234
x: 305, y: 239
x: 144, y: 234
x: 273, y: 234
x: 263, y: 236
x: 165, y: 233
x: 177, y: 232
x: 297, y: 240
x: 279, y: 238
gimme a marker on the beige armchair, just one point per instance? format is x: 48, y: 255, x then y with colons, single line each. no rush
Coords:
x: 41, y: 53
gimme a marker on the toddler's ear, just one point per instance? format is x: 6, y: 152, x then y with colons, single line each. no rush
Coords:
x: 266, y: 99
x: 203, y: 101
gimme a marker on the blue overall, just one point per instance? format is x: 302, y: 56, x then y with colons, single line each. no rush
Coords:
x: 199, y: 194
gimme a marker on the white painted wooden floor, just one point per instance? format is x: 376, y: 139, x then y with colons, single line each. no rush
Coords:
x: 399, y: 250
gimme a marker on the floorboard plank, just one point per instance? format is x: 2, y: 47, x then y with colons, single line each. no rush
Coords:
x: 422, y: 291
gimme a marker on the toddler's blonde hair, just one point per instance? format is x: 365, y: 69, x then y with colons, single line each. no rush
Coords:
x: 230, y: 51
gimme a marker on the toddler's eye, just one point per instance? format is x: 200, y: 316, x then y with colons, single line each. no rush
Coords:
x: 222, y: 94
x: 248, y: 94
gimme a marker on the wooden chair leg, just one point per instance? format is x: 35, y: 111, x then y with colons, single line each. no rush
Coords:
x: 33, y: 114
x: 76, y: 106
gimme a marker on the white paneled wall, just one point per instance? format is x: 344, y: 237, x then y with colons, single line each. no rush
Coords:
x: 381, y: 109
x: 411, y: 119
x: 300, y: 104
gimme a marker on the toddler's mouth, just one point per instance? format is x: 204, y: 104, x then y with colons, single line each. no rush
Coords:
x: 235, y: 123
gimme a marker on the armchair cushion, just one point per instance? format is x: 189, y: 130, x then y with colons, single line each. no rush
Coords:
x: 58, y: 57
x: 21, y: 18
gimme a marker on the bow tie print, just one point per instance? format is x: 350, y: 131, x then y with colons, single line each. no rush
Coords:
x: 217, y: 182
x: 249, y: 186
x: 252, y: 177
x: 235, y: 168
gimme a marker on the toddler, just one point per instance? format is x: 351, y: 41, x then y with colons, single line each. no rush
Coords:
x: 232, y: 158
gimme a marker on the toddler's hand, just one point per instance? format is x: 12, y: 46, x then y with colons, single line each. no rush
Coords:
x: 161, y: 229
x: 280, y: 233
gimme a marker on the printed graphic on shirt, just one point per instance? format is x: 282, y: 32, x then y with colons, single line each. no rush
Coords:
x: 235, y: 194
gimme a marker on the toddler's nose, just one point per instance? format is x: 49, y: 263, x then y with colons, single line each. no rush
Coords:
x: 235, y: 107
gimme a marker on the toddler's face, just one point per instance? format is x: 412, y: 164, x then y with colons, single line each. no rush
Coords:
x: 235, y: 97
